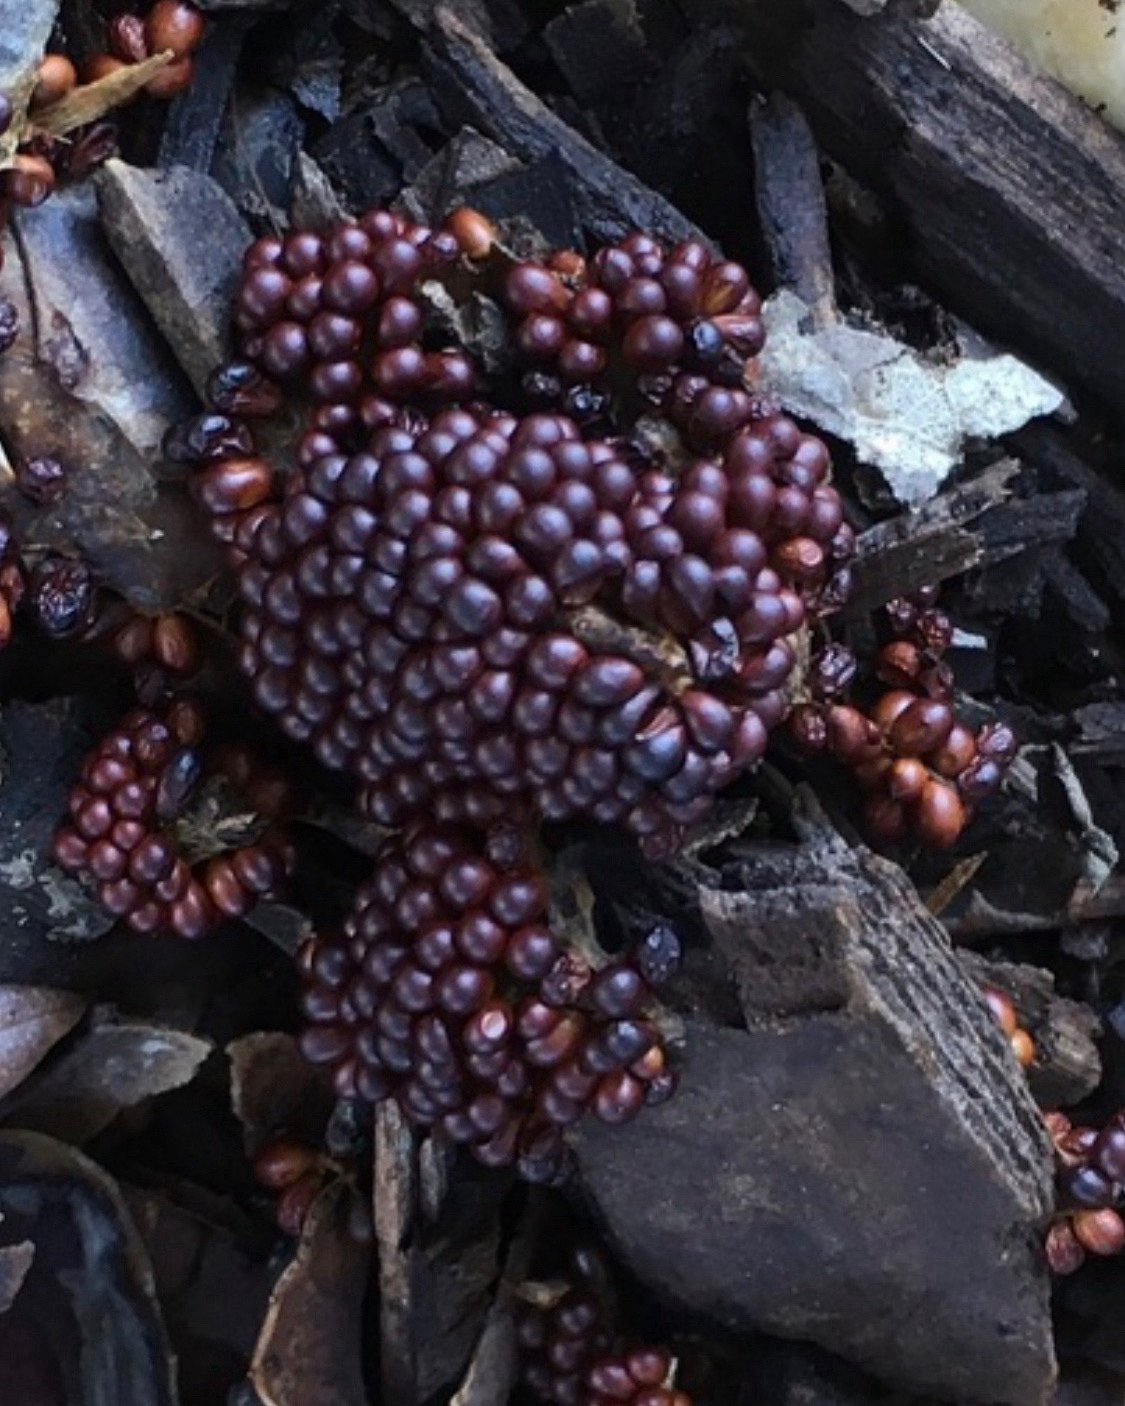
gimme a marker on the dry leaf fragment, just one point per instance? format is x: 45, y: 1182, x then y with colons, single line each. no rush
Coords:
x: 273, y: 1088
x: 93, y: 100
x: 310, y: 1347
x: 32, y: 1019
x: 394, y: 1198
x: 212, y: 1282
x: 111, y: 1068
x: 491, y: 1372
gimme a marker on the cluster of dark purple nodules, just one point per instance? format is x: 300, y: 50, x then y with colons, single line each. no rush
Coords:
x: 570, y: 1356
x: 922, y: 770
x: 414, y: 601
x: 680, y: 325
x: 448, y: 991
x: 488, y: 617
x: 1090, y: 1181
x: 121, y: 832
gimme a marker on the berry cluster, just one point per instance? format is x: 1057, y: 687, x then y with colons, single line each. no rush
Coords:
x: 569, y: 1357
x: 1006, y: 1017
x: 171, y: 26
x: 679, y: 325
x: 162, y: 651
x: 447, y: 991
x: 1090, y: 1176
x: 335, y: 317
x: 155, y: 828
x: 923, y: 771
x: 471, y: 611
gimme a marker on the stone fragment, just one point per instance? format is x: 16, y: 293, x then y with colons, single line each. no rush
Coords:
x: 862, y: 1166
x: 798, y: 1374
x: 256, y: 156
x: 180, y: 239
x: 453, y: 174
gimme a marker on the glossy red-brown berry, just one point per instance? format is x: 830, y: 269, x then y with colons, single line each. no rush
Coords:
x: 125, y: 37
x: 296, y: 1201
x: 281, y: 1161
x: 28, y: 180
x: 1003, y: 1011
x: 173, y: 25
x: 1063, y: 1250
x: 171, y: 80
x: 1102, y: 1232
x: 174, y: 643
x: 55, y: 78
x: 1023, y: 1047
x: 940, y: 815
x: 475, y: 233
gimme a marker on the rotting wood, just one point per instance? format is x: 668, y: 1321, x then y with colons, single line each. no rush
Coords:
x: 791, y: 205
x: 930, y: 545
x: 1011, y: 189
x: 473, y: 85
x: 394, y: 1195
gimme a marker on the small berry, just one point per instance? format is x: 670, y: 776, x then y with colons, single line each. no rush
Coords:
x: 296, y: 1201
x: 280, y: 1162
x: 56, y: 78
x: 474, y: 232
x: 173, y: 25
x: 1102, y: 1232
x: 1064, y: 1251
